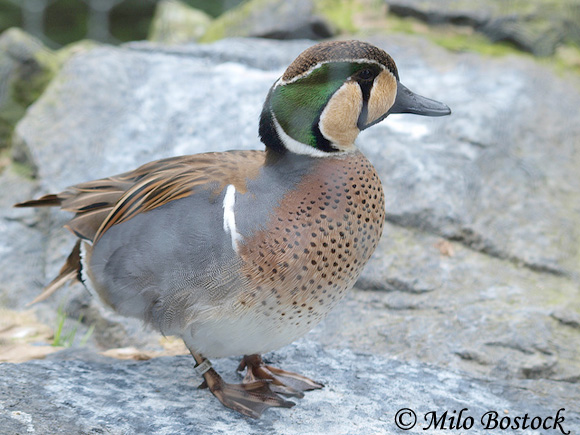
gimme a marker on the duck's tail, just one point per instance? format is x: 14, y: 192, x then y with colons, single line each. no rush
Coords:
x: 72, y: 267
x: 70, y: 271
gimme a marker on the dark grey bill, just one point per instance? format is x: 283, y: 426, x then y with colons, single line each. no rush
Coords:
x: 407, y: 101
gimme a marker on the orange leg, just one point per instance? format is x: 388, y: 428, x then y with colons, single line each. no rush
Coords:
x: 249, y: 398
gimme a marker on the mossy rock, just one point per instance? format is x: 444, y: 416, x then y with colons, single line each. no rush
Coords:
x: 292, y: 19
x: 175, y: 23
x: 26, y: 67
x: 535, y: 26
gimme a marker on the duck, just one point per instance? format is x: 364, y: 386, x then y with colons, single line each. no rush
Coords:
x: 242, y: 252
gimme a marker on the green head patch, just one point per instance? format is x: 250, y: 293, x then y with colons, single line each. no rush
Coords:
x: 297, y: 105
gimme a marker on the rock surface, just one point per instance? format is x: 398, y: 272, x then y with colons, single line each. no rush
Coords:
x: 536, y: 26
x: 477, y: 273
x: 363, y: 394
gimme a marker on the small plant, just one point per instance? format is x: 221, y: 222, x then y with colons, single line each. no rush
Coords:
x: 65, y: 338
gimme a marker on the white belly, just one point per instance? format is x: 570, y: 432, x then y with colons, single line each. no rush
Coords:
x: 243, y: 335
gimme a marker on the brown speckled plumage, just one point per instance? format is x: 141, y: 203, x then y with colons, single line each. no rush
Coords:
x: 317, y: 245
x: 338, y: 51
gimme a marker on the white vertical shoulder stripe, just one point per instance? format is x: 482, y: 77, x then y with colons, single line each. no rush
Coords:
x: 86, y: 280
x: 230, y: 217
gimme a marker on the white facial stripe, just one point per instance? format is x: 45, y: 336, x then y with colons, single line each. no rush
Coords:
x: 318, y: 65
x: 230, y: 217
x: 297, y: 147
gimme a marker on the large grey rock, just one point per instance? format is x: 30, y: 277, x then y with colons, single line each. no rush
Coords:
x: 363, y: 393
x: 471, y: 311
x: 536, y: 26
x: 289, y: 19
x: 478, y: 269
x: 21, y: 246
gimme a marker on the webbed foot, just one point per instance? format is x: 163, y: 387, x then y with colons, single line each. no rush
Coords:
x: 249, y: 398
x: 281, y: 381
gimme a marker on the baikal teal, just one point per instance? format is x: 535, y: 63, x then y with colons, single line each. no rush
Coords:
x: 243, y: 252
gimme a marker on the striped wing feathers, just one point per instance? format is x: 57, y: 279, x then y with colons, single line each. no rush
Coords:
x: 100, y: 204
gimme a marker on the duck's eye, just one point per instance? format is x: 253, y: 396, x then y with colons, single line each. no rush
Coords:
x: 365, y: 74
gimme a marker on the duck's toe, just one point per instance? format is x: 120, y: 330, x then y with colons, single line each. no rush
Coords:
x: 281, y: 381
x: 249, y: 398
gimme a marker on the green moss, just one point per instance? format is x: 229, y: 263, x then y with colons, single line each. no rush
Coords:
x: 175, y: 22
x: 75, y: 48
x: 449, y: 37
x: 475, y: 43
x: 401, y: 25
x: 23, y: 170
x: 31, y: 84
x: 229, y: 23
x: 5, y: 132
x: 215, y: 31
x: 340, y: 13
x: 566, y: 59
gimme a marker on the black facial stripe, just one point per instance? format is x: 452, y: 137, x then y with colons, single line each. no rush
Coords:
x: 365, y: 87
x: 322, y: 143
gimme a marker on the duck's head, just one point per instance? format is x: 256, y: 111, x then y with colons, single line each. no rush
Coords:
x: 332, y: 92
